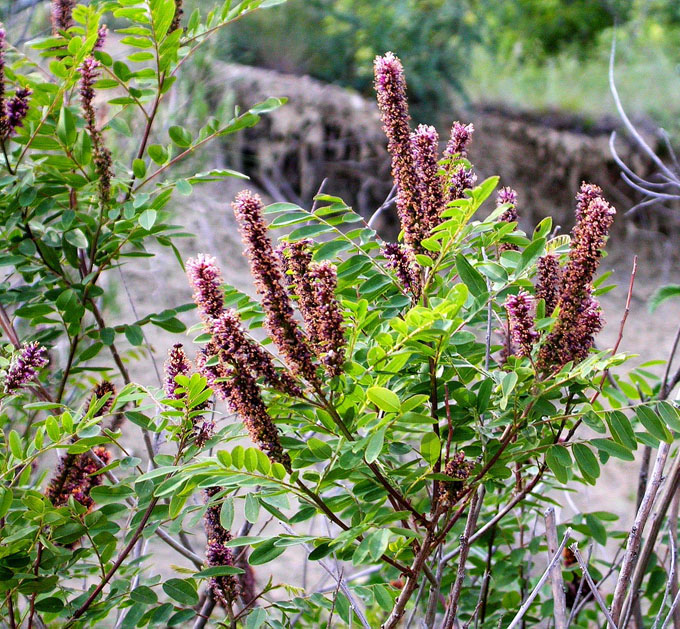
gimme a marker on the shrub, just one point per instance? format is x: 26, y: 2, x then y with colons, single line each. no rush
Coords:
x: 413, y: 406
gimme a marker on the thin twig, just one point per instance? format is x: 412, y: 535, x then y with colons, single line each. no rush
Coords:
x: 592, y: 586
x: 391, y: 198
x: 635, y: 537
x: 671, y: 577
x: 556, y: 579
x: 457, y: 587
x: 626, y: 311
x: 530, y: 599
x: 206, y: 611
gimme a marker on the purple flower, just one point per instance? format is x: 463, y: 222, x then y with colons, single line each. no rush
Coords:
x: 62, y: 15
x: 102, y: 32
x: 205, y: 279
x: 548, y: 281
x: 314, y: 285
x: 2, y: 69
x: 521, y: 322
x: 425, y: 151
x: 24, y: 366
x: 241, y: 393
x: 178, y: 364
x: 507, y: 195
x: 99, y: 391
x: 390, y: 87
x: 296, y: 258
x: 461, y: 179
x: 225, y: 588
x: 458, y: 468
x: 587, y: 193
x: 247, y: 355
x: 76, y: 476
x: 579, y: 317
x: 461, y: 134
x: 268, y: 275
x: 179, y: 11
x: 402, y: 261
x: 17, y: 107
x: 101, y: 155
x: 329, y: 322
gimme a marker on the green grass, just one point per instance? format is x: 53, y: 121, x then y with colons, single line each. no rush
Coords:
x: 647, y: 77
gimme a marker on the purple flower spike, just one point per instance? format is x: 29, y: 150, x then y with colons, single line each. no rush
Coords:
x: 268, y: 275
x: 521, y: 322
x: 425, y: 151
x: 579, y: 315
x: 17, y: 108
x: 461, y: 134
x: 247, y: 355
x: 329, y: 326
x: 177, y: 364
x: 460, y: 180
x: 24, y: 366
x: 242, y: 395
x: 402, y: 261
x: 459, y: 468
x: 390, y: 87
x: 62, y: 15
x: 101, y: 155
x: 102, y: 32
x: 225, y: 588
x: 205, y: 279
x: 548, y: 281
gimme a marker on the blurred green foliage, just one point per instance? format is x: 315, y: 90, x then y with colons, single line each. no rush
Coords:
x: 337, y: 40
x: 537, y: 29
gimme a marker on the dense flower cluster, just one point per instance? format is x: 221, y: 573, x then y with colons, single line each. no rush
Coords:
x: 423, y: 188
x: 240, y: 391
x: 76, y: 473
x: 548, y: 281
x: 505, y: 196
x: 205, y: 279
x: 425, y: 150
x: 177, y: 364
x: 14, y: 110
x: 521, y: 321
x: 76, y: 476
x: 390, y: 86
x: 240, y: 360
x: 461, y: 134
x: 579, y: 316
x: 99, y: 391
x: 509, y: 196
x: 459, y: 468
x: 102, y: 32
x: 402, y: 261
x: 329, y: 339
x: 101, y: 155
x: 246, y: 355
x: 62, y: 11
x: 24, y: 366
x: 314, y: 285
x: 225, y: 588
x: 268, y: 275
x: 462, y: 178
x: 179, y: 12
